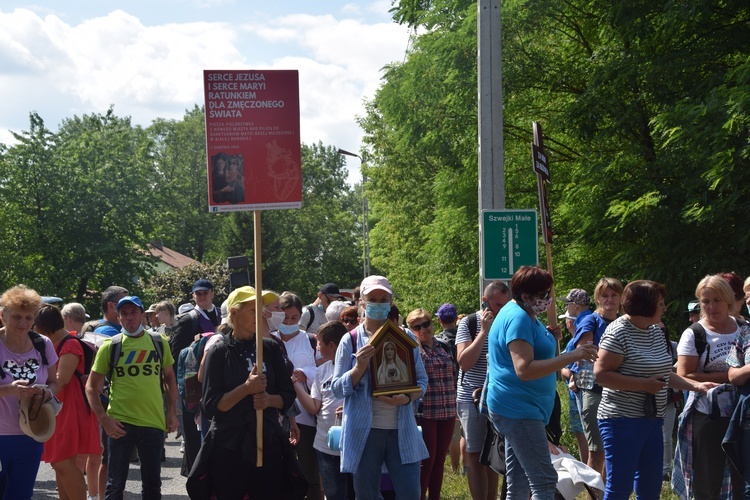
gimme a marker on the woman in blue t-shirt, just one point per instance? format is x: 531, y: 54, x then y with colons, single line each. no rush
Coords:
x: 521, y: 389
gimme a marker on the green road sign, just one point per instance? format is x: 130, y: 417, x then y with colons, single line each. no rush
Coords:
x: 509, y: 240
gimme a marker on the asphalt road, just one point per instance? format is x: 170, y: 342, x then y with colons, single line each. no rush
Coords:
x: 172, y: 485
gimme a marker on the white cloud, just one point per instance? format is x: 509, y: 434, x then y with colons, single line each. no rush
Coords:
x: 150, y: 71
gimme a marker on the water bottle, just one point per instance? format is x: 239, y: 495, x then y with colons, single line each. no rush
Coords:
x: 584, y: 377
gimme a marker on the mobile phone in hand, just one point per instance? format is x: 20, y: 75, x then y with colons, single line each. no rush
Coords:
x: 485, y: 305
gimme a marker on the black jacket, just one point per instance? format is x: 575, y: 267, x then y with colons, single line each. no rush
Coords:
x: 224, y: 370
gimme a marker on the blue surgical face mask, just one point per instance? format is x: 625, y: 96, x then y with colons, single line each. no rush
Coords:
x: 377, y: 310
x: 288, y: 329
x: 137, y: 332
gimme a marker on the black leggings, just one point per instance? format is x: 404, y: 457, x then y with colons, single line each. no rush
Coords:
x: 233, y: 478
x: 709, y: 459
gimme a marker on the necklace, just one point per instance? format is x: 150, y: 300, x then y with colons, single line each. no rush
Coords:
x: 16, y: 351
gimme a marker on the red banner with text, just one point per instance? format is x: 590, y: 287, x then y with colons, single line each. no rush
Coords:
x: 252, y: 139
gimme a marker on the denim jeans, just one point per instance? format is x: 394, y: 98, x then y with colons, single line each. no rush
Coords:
x: 149, y: 441
x: 633, y: 450
x: 529, y: 467
x: 335, y: 482
x: 382, y: 446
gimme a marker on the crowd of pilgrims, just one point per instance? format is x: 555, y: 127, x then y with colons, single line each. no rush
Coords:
x: 479, y: 391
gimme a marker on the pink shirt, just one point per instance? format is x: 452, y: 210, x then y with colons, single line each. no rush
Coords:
x: 25, y: 366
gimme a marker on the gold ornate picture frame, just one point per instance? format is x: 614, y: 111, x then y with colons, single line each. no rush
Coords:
x: 392, y: 368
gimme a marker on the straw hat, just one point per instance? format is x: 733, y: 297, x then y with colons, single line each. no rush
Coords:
x: 37, y: 419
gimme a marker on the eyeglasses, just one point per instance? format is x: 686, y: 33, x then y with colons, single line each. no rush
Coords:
x: 543, y: 295
x: 418, y: 326
x: 349, y: 321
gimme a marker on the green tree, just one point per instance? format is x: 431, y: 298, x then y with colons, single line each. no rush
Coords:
x: 654, y: 97
x: 77, y: 205
x: 183, y: 222
x: 644, y: 108
x: 421, y: 164
x: 318, y: 243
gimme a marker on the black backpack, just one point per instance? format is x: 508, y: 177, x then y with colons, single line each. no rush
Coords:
x: 89, y: 353
x: 116, y: 350
x: 472, y: 323
x: 701, y: 344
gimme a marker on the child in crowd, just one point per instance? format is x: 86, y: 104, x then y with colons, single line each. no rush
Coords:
x: 321, y: 402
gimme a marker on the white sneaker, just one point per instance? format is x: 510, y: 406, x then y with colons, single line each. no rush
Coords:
x: 182, y: 447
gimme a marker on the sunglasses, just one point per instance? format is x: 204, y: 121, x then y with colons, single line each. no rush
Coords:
x: 543, y: 295
x: 349, y: 321
x: 418, y: 326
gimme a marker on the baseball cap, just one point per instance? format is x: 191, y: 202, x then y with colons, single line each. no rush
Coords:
x: 374, y: 282
x: 187, y: 306
x: 202, y: 284
x: 693, y: 307
x: 130, y: 299
x: 577, y: 296
x: 331, y: 289
x: 447, y: 313
x: 151, y: 308
x: 247, y: 294
x: 566, y: 316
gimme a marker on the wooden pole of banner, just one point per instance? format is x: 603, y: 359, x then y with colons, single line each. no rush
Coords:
x: 544, y: 212
x: 258, y: 328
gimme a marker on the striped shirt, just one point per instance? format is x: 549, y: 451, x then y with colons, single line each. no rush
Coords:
x: 357, y: 419
x: 645, y: 354
x: 470, y: 380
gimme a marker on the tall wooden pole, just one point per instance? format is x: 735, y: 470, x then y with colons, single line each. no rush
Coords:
x: 258, y: 327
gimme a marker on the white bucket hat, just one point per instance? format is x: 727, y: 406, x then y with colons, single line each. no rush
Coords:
x: 37, y: 419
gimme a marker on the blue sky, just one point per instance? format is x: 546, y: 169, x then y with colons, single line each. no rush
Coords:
x: 146, y: 57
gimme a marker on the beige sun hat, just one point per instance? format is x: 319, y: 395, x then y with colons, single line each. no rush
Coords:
x: 37, y: 419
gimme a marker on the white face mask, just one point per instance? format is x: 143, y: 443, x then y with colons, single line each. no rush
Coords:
x: 274, y: 322
x: 541, y: 305
x: 135, y: 334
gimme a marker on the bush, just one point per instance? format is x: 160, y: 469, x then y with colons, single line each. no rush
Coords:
x: 176, y: 285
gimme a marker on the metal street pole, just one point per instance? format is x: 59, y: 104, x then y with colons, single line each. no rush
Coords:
x: 365, y: 223
x: 490, y: 81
